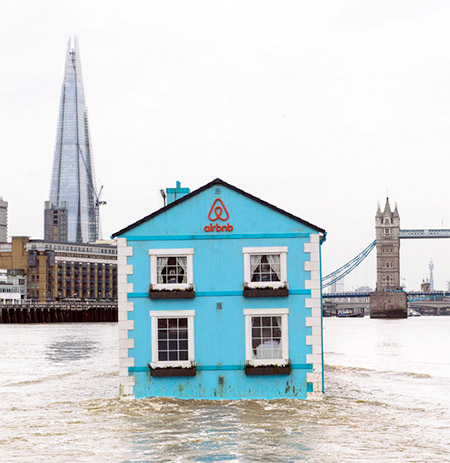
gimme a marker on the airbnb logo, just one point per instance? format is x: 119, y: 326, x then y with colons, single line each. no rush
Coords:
x: 218, y: 211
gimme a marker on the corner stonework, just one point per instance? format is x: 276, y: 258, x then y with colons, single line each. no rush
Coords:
x: 125, y: 325
x: 315, y: 320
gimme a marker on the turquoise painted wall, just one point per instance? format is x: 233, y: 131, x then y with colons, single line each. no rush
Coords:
x: 218, y: 278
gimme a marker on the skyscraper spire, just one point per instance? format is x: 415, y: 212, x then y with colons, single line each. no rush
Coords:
x: 72, y: 212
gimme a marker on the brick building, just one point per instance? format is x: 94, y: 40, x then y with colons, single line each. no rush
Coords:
x: 57, y: 271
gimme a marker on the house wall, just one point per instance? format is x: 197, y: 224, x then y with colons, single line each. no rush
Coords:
x: 218, y: 278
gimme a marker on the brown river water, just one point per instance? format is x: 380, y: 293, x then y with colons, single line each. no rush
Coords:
x: 387, y: 400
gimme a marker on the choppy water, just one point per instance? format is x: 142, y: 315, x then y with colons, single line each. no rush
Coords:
x: 388, y: 400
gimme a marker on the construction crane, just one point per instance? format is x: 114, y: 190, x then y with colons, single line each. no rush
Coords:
x: 98, y: 201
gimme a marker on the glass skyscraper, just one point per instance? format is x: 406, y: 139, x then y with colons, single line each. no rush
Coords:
x: 72, y: 212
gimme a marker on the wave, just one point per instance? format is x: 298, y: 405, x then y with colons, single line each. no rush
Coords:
x: 41, y: 380
x: 411, y: 374
x: 349, y: 369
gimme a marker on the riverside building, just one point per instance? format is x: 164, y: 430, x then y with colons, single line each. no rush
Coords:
x: 72, y: 213
x: 61, y: 271
x: 220, y: 298
x: 12, y: 286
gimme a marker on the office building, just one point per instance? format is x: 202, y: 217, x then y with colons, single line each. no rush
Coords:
x: 72, y: 212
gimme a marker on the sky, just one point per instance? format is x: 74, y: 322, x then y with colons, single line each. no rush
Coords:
x: 321, y: 108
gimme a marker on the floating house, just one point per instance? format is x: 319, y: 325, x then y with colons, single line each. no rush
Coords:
x: 220, y: 298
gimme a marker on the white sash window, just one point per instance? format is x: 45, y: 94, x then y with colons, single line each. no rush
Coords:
x: 265, y: 267
x: 266, y: 336
x: 171, y: 268
x: 172, y: 338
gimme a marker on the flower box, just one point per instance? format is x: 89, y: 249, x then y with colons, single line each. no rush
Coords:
x: 251, y: 370
x: 172, y: 371
x: 266, y: 292
x: 171, y: 294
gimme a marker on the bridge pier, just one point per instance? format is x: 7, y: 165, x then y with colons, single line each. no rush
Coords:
x: 388, y: 304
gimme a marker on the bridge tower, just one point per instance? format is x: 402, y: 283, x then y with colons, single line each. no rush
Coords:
x: 388, y: 300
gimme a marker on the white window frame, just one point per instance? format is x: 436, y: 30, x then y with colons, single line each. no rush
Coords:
x: 281, y: 250
x: 155, y: 253
x: 155, y: 315
x: 248, y: 314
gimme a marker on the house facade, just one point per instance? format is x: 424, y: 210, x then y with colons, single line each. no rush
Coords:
x: 220, y: 298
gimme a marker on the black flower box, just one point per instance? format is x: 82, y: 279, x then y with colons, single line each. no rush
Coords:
x: 174, y: 294
x: 266, y: 292
x: 172, y: 371
x: 267, y: 370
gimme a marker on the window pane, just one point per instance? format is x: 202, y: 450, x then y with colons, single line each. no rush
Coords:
x: 173, y: 345
x: 162, y: 322
x: 256, y: 332
x: 162, y: 345
x: 183, y: 345
x: 256, y: 342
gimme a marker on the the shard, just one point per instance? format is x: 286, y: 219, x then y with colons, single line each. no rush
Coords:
x: 72, y: 212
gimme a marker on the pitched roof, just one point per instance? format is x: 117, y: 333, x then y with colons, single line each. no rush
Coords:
x: 217, y: 181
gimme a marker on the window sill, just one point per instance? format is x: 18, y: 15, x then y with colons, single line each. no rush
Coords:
x: 266, y: 292
x: 266, y: 370
x: 171, y: 294
x: 172, y: 371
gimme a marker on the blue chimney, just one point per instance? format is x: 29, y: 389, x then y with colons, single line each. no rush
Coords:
x: 176, y: 193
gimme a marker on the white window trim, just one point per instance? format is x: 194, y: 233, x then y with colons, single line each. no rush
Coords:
x: 155, y: 253
x: 282, y: 250
x: 189, y: 314
x: 248, y: 313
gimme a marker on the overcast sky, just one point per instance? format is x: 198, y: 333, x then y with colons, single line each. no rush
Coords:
x: 318, y: 107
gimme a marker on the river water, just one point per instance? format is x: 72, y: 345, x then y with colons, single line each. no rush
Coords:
x: 387, y: 400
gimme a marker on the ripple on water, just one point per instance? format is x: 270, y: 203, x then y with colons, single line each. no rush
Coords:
x: 67, y: 410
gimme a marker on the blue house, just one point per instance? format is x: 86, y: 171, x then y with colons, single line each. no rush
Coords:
x: 220, y: 298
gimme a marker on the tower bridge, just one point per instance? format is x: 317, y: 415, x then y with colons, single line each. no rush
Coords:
x: 389, y: 300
